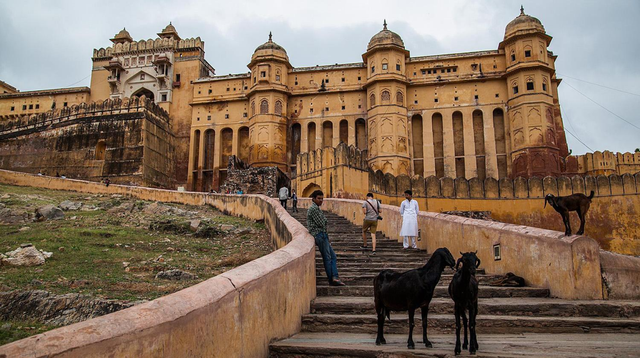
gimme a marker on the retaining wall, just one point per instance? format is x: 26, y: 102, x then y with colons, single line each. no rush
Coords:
x: 235, y: 314
x: 568, y: 266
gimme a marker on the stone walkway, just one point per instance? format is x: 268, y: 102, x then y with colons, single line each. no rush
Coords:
x: 512, y: 322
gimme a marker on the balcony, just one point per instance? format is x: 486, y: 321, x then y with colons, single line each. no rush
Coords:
x: 176, y: 84
x: 113, y: 80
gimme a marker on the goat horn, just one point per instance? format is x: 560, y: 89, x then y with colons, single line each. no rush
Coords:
x: 461, y: 253
x: 478, y: 263
x: 476, y: 252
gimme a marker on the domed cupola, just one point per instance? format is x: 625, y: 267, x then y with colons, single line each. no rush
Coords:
x: 269, y: 51
x: 122, y: 36
x: 169, y: 32
x: 523, y: 24
x: 385, y: 38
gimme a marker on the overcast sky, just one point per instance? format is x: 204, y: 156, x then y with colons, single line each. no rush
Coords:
x: 48, y: 44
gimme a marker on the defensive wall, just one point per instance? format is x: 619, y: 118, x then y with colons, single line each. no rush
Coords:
x: 129, y: 141
x: 239, y: 312
x: 613, y: 219
x: 235, y: 314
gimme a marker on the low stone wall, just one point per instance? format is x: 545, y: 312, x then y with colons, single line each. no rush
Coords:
x: 620, y: 275
x: 235, y: 314
x: 568, y: 266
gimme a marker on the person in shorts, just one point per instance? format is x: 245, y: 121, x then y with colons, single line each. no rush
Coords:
x: 371, y: 210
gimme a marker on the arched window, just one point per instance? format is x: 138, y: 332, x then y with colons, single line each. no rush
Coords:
x: 385, y: 96
x: 530, y: 84
x: 253, y: 108
x: 278, y: 76
x: 264, y: 106
x: 372, y: 100
x: 278, y: 108
x: 399, y: 98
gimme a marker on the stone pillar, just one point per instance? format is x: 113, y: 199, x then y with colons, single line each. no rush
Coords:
x: 319, y: 134
x: 428, y: 147
x: 352, y: 132
x: 234, y: 142
x: 190, y: 183
x: 491, y: 156
x: 470, y: 164
x: 336, y: 134
x: 304, y: 137
x: 448, y: 145
x: 217, y: 154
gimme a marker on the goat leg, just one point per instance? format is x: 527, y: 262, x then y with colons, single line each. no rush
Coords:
x: 380, y: 338
x: 567, y: 224
x: 473, y: 346
x: 425, y: 313
x: 465, y: 343
x: 410, y: 343
x: 581, y: 215
x: 457, y: 313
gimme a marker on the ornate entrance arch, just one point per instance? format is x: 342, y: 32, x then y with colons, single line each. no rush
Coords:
x: 310, y: 189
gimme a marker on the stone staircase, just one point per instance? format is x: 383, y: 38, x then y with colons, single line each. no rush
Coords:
x: 511, y: 322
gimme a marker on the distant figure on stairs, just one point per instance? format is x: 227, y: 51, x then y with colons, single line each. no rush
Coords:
x: 317, y: 226
x: 409, y: 211
x: 283, y: 194
x: 294, y: 200
x: 371, y: 209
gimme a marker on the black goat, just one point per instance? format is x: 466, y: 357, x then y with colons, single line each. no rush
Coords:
x: 463, y: 289
x: 574, y: 202
x: 408, y: 291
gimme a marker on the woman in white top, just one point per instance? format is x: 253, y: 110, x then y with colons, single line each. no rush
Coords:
x: 409, y: 211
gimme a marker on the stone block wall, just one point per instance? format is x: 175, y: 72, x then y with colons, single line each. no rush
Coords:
x: 253, y: 180
x: 130, y: 142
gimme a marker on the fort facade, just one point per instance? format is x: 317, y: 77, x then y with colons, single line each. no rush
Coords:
x: 485, y: 114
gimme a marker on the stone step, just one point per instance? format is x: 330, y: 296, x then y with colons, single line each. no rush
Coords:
x: 367, y: 279
x: 486, y: 324
x: 494, y: 306
x: 374, y: 268
x: 412, y: 255
x: 440, y: 291
x: 339, y: 344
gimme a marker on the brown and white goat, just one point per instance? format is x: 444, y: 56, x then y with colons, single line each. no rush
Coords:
x: 564, y: 204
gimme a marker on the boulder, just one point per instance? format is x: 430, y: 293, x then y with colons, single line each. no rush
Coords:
x: 227, y: 227
x: 26, y: 256
x: 49, y: 212
x: 70, y: 205
x: 123, y: 208
x: 175, y: 275
x: 194, y: 224
x: 243, y: 231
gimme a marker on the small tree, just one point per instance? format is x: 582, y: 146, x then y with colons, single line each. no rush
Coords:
x: 637, y: 150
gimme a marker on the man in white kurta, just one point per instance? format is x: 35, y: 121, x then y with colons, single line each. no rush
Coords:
x: 409, y: 211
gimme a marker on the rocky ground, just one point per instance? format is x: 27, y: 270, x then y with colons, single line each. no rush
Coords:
x: 107, y: 253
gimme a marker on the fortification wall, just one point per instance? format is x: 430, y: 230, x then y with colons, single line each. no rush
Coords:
x: 613, y: 219
x: 235, y: 314
x: 129, y: 141
x: 568, y: 266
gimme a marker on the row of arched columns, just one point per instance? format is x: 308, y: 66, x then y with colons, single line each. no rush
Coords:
x: 309, y: 135
x: 455, y: 143
x: 209, y: 154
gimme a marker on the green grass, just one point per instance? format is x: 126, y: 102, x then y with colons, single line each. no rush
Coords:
x: 89, y: 251
x: 20, y: 329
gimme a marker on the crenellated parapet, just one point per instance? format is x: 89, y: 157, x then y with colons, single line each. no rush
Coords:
x: 147, y: 45
x: 312, y: 164
x: 606, y: 163
x: 518, y: 188
x: 18, y: 124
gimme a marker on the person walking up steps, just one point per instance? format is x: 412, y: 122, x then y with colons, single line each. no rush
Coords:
x: 371, y: 210
x: 294, y: 200
x: 409, y: 211
x: 317, y: 226
x: 283, y: 195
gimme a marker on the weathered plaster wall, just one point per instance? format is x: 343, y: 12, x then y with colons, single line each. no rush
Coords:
x: 620, y: 275
x: 613, y: 219
x: 129, y: 141
x: 225, y: 316
x: 568, y: 266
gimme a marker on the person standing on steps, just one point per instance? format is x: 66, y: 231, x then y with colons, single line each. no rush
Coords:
x: 409, y: 211
x: 371, y: 210
x: 294, y: 200
x: 283, y: 195
x: 317, y: 226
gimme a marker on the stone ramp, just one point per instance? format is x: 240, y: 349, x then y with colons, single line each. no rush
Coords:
x: 512, y: 322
